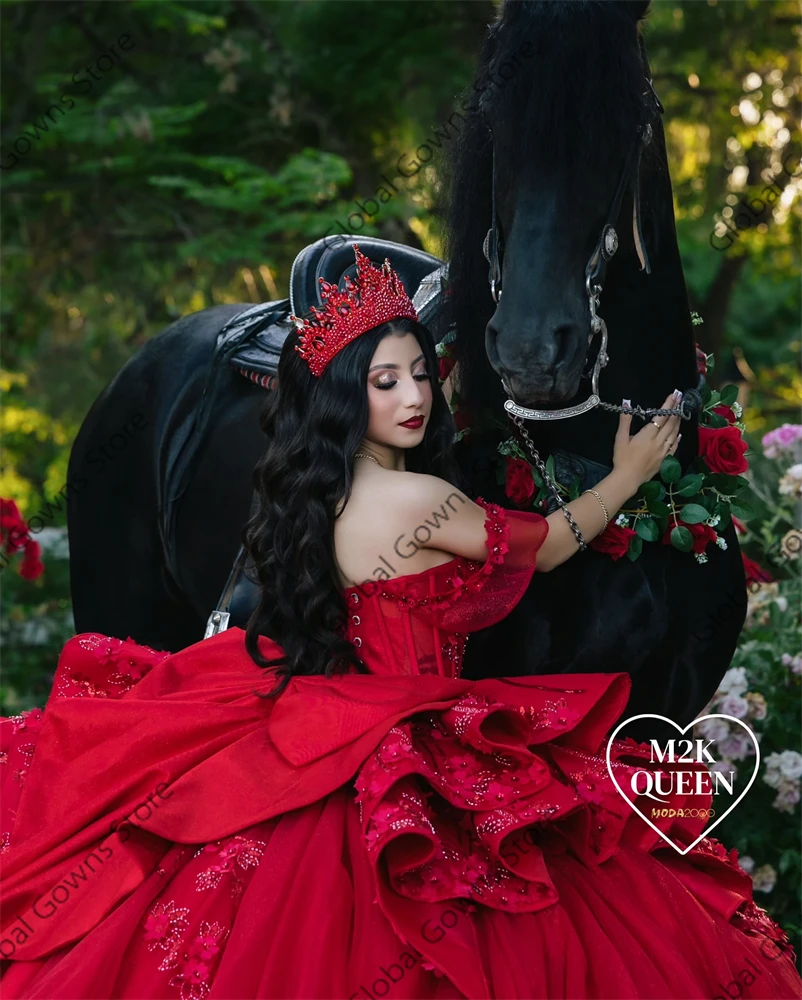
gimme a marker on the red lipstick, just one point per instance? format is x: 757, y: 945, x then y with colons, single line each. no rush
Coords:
x: 413, y: 423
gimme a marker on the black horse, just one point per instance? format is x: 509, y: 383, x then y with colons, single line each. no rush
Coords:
x: 563, y: 141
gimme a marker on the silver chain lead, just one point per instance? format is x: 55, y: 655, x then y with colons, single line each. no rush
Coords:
x: 519, y: 423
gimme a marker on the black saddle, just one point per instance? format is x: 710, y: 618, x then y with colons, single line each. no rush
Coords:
x: 253, y: 339
x: 260, y: 333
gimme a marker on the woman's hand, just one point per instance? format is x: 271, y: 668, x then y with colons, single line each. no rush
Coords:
x: 639, y: 457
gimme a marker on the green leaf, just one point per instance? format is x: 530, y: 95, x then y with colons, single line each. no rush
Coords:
x: 550, y: 468
x: 575, y: 489
x: 715, y: 420
x: 658, y: 507
x: 693, y: 513
x: 635, y: 548
x: 689, y: 485
x: 723, y: 511
x: 724, y: 484
x: 682, y: 539
x: 729, y: 394
x: 742, y: 509
x: 652, y: 490
x: 670, y: 470
x: 646, y: 528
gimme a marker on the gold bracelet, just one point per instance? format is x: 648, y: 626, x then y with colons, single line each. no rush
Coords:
x: 606, y: 515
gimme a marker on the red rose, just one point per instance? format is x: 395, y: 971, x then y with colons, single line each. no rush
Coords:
x: 461, y: 418
x: 723, y: 450
x: 519, y: 485
x: 446, y: 364
x: 701, y: 361
x: 755, y: 572
x: 32, y: 566
x: 726, y: 412
x: 703, y: 535
x: 613, y: 541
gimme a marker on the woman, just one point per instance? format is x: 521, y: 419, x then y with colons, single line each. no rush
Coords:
x: 332, y: 811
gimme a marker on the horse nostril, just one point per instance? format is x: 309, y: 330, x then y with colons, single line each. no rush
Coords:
x: 562, y: 336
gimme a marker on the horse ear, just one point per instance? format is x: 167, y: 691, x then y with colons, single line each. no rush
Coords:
x: 636, y: 9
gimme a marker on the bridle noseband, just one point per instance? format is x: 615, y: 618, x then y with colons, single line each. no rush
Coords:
x: 595, y: 271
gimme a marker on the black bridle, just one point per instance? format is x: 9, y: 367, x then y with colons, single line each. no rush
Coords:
x: 595, y: 271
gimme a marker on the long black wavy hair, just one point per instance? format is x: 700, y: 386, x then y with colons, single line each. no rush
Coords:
x: 314, y: 427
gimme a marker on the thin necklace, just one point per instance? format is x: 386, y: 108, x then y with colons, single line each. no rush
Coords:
x: 361, y: 454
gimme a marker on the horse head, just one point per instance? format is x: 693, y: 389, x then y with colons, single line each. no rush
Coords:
x: 561, y: 211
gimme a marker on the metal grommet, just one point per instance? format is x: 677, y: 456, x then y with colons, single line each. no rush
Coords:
x: 356, y: 619
x: 355, y: 598
x: 356, y: 641
x: 609, y: 243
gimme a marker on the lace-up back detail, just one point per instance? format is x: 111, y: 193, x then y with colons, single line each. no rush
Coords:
x: 419, y: 623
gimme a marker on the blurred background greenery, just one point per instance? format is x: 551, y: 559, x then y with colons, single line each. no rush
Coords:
x: 196, y: 146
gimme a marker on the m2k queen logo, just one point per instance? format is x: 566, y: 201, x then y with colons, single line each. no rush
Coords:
x: 678, y: 781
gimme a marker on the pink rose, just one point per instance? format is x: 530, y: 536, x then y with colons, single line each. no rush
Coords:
x: 781, y: 439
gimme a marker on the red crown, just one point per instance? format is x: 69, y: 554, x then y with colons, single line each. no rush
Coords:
x: 377, y: 295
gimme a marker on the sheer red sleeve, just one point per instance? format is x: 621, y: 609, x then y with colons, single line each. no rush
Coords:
x: 469, y: 595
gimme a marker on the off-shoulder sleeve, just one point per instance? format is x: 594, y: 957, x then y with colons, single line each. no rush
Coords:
x: 470, y: 595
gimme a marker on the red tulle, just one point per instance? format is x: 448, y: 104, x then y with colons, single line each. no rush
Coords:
x: 167, y: 833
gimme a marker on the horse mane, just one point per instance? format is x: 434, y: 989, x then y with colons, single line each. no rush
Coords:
x: 555, y: 121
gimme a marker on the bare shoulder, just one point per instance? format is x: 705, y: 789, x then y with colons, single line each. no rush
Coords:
x: 438, y: 515
x: 414, y: 521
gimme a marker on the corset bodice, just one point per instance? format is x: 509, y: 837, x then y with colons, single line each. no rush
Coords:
x: 420, y: 623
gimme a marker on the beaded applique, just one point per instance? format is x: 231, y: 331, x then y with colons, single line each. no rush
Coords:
x: 236, y: 854
x: 438, y: 777
x: 165, y: 928
x: 111, y: 666
x: 18, y: 756
x: 466, y: 575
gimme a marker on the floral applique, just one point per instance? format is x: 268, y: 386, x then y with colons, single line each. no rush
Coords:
x: 236, y: 854
x: 111, y: 666
x: 19, y: 756
x: 466, y: 576
x: 30, y: 721
x: 165, y: 928
x: 552, y: 715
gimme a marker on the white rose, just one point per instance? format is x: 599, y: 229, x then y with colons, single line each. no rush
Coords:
x: 764, y: 878
x: 787, y: 797
x: 772, y: 776
x: 734, y: 681
x: 735, y: 706
x: 737, y: 746
x: 726, y: 767
x: 714, y: 729
x: 790, y: 764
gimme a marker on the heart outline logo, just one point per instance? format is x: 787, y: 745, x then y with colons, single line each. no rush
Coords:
x: 657, y: 830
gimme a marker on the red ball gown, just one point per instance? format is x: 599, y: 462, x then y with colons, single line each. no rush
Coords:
x: 408, y: 833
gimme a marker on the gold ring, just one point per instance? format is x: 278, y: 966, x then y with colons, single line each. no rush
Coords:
x: 658, y: 426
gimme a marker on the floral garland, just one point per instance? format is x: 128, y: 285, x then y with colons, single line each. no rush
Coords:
x: 689, y: 511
